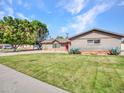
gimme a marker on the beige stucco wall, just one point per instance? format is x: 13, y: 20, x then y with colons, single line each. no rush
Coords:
x: 46, y: 46
x: 107, y: 42
x: 50, y: 47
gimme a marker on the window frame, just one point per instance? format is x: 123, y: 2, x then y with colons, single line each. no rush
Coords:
x: 97, y: 41
x: 90, y: 41
x: 93, y: 41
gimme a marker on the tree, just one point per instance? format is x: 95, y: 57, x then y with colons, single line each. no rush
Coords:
x: 1, y: 31
x: 41, y: 29
x: 59, y: 37
x: 16, y: 31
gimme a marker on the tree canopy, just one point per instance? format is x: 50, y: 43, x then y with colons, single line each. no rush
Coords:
x: 17, y: 31
x: 42, y: 31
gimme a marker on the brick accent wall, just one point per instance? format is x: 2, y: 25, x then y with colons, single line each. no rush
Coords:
x: 56, y: 49
x: 99, y: 52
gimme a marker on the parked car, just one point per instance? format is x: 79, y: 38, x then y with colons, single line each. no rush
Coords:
x: 7, y: 46
x: 36, y: 47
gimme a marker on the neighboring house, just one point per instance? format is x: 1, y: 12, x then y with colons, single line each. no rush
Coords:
x: 56, y: 44
x: 96, y: 41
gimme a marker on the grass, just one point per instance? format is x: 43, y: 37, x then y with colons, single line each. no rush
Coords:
x: 74, y: 73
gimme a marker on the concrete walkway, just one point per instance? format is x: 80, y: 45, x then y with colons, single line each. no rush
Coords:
x: 29, y: 52
x: 12, y: 81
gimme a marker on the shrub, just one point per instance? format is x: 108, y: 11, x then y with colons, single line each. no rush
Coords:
x: 74, y: 51
x: 115, y: 51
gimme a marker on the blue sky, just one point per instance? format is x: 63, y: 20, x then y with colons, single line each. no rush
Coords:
x: 68, y: 16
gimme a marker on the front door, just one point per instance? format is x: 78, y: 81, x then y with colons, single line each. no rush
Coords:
x: 67, y: 47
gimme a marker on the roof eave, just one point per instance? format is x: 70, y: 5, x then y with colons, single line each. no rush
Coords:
x: 75, y: 36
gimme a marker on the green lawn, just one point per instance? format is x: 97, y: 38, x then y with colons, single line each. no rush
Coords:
x: 75, y: 73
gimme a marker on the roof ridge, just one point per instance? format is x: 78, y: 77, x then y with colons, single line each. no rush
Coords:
x: 100, y: 30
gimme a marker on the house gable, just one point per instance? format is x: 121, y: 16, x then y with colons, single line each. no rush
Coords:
x: 55, y: 41
x: 95, y: 33
x: 96, y: 40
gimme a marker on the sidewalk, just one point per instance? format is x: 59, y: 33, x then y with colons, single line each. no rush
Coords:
x: 29, y: 52
x: 18, y: 53
x: 12, y: 81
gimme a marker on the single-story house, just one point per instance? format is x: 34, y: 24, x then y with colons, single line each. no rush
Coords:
x: 92, y: 41
x: 96, y: 41
x: 56, y: 44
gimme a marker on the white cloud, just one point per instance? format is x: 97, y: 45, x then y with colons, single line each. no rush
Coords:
x: 33, y: 17
x: 2, y: 13
x: 19, y: 2
x: 6, y: 8
x: 49, y: 12
x: 7, y: 2
x: 25, y: 4
x: 84, y: 20
x: 10, y: 11
x: 72, y: 6
x: 40, y: 4
x: 121, y: 3
x: 10, y: 2
x: 1, y: 2
x: 20, y: 15
x: 63, y: 29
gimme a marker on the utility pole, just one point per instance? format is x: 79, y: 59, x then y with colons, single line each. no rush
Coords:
x: 49, y: 37
x: 67, y: 34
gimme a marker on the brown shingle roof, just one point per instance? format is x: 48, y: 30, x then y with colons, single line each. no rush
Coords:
x: 97, y: 30
x: 47, y: 41
x: 50, y: 41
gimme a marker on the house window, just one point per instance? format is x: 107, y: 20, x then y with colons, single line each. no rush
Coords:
x: 94, y: 41
x: 56, y: 45
x: 90, y: 41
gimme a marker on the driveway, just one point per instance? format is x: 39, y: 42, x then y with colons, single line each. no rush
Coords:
x: 12, y: 81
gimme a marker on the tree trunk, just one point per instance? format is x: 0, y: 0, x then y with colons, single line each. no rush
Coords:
x: 14, y: 49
